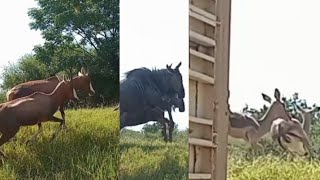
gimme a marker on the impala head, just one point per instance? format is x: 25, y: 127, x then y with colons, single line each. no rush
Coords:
x: 69, y: 89
x: 175, y: 80
x: 307, y: 111
x: 291, y: 136
x: 84, y: 82
x: 277, y: 108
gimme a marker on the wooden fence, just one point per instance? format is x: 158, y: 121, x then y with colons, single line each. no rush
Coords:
x: 208, y: 88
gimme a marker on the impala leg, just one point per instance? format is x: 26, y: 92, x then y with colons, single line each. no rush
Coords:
x: 55, y: 134
x: 34, y: 137
x: 6, y: 136
x: 251, y: 138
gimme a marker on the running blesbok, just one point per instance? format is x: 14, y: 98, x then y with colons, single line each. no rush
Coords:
x: 250, y: 129
x: 33, y: 109
x: 307, y: 116
x: 81, y: 82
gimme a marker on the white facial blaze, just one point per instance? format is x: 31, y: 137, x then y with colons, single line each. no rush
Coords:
x: 80, y: 74
x: 75, y: 94
x: 91, y: 88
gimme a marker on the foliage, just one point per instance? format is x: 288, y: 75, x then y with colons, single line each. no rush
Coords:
x: 88, y: 149
x: 26, y: 69
x: 77, y: 34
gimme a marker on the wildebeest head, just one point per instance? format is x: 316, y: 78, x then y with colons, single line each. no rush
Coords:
x: 175, y: 80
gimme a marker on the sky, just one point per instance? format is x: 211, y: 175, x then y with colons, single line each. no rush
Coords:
x: 274, y: 44
x: 16, y: 38
x: 153, y: 34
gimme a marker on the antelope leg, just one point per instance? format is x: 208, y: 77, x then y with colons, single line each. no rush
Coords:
x: 34, y: 137
x: 55, y: 119
x: 6, y: 136
x: 63, y: 115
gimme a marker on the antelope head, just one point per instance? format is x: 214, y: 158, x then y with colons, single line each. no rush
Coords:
x: 291, y: 136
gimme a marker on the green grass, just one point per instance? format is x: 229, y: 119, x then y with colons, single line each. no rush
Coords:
x: 270, y: 164
x: 89, y: 149
x: 145, y: 158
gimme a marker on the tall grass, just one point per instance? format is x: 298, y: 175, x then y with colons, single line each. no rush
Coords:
x: 270, y: 163
x: 88, y: 149
x: 148, y: 157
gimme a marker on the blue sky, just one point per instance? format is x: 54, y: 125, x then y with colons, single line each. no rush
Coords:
x: 273, y: 44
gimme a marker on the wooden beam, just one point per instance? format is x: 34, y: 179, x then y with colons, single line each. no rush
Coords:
x: 200, y: 120
x: 202, y: 12
x: 199, y: 176
x: 203, y: 19
x: 202, y: 55
x: 201, y: 39
x: 201, y: 142
x: 194, y: 75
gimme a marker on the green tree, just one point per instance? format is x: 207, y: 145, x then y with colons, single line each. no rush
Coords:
x: 81, y: 33
x: 26, y: 69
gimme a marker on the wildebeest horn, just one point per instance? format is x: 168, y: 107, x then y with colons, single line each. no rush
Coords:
x: 177, y: 67
x: 169, y: 66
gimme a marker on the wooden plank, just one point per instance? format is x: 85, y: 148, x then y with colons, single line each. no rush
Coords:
x: 200, y: 120
x: 221, y: 90
x: 202, y: 12
x: 199, y: 176
x: 201, y: 39
x: 201, y: 142
x: 194, y: 75
x: 202, y: 55
x: 203, y: 19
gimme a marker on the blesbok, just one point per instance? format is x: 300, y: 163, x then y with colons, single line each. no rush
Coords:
x: 291, y: 136
x: 81, y: 82
x: 307, y: 116
x: 250, y: 129
x: 34, y: 109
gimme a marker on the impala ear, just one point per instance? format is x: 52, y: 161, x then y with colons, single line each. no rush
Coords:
x: 266, y: 97
x: 277, y: 94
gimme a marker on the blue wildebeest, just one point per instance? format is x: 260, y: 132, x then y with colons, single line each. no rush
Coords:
x: 143, y: 95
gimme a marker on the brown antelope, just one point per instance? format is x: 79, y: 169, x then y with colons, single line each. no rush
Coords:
x: 81, y: 82
x: 251, y: 130
x: 291, y: 136
x: 33, y: 109
x: 307, y: 116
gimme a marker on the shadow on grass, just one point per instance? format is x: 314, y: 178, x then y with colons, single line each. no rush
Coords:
x: 73, y: 155
x: 169, y: 168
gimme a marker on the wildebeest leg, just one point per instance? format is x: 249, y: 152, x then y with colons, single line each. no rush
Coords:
x: 61, y: 109
x: 6, y: 136
x: 171, y: 125
x: 33, y: 138
x: 55, y: 119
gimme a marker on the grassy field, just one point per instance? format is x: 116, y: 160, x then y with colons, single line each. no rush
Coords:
x: 89, y: 149
x: 145, y: 158
x: 270, y: 164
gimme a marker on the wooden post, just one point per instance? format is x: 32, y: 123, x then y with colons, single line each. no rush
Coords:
x: 208, y: 88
